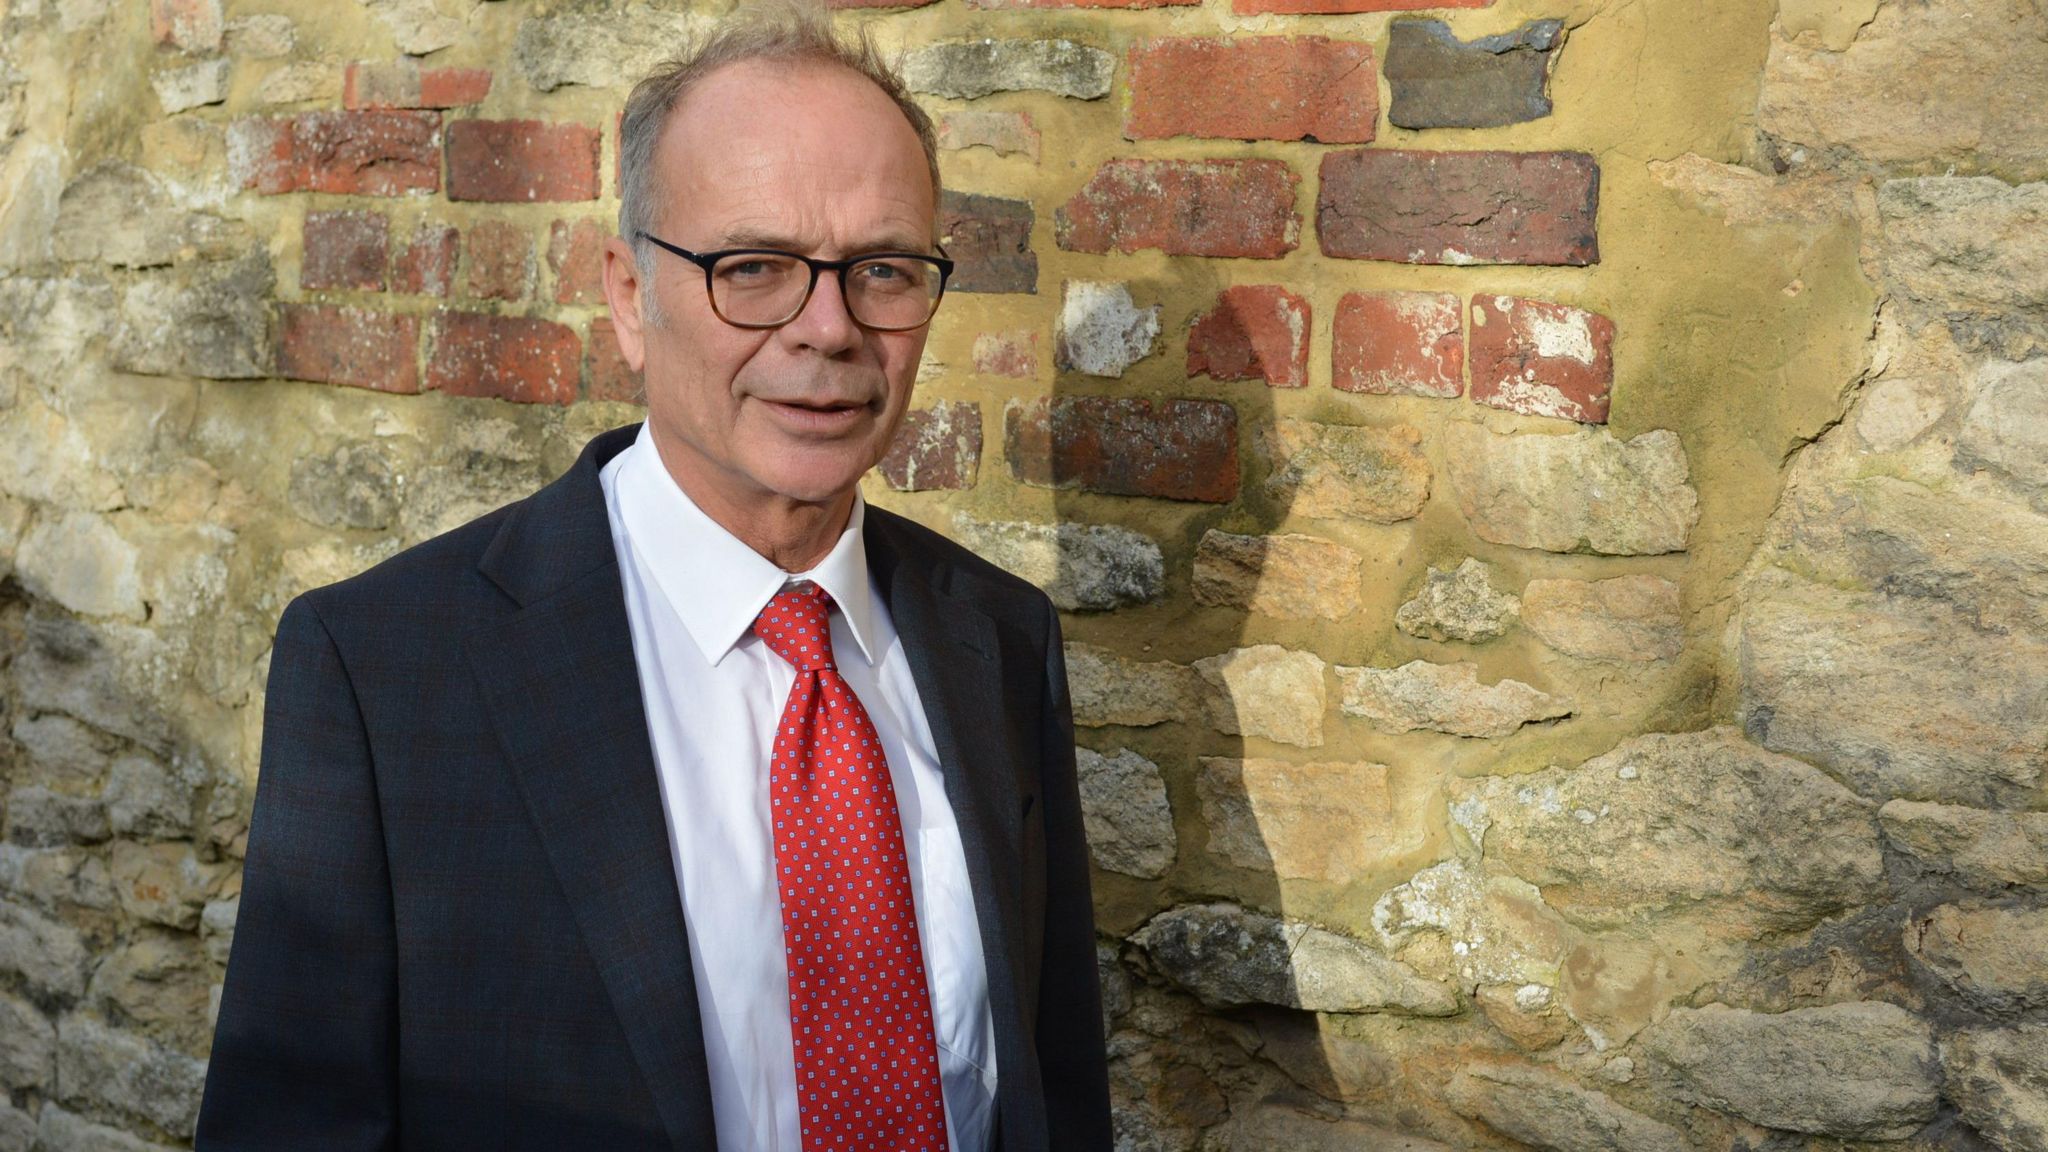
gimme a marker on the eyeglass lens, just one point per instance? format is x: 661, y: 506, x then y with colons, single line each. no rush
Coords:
x: 764, y: 288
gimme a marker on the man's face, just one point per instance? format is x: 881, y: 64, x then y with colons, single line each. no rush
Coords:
x: 812, y: 159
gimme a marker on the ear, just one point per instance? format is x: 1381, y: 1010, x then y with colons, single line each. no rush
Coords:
x: 622, y: 289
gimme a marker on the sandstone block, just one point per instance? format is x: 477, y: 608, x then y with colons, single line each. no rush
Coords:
x: 2006, y: 426
x: 1461, y: 604
x: 1988, y: 851
x: 598, y: 48
x: 1935, y: 258
x: 1255, y: 332
x: 1253, y: 88
x: 120, y: 214
x: 1291, y: 576
x: 1109, y: 689
x: 1991, y: 957
x: 1170, y: 449
x: 1266, y: 691
x: 1101, y: 331
x: 1416, y: 207
x: 1082, y: 567
x: 362, y: 153
x: 80, y: 560
x: 352, y: 485
x: 516, y: 358
x: 1342, y: 472
x: 146, y: 800
x: 1546, y: 1110
x: 1125, y: 811
x: 192, y: 86
x: 345, y: 250
x: 157, y: 981
x: 990, y: 239
x: 1998, y: 1081
x: 1444, y: 698
x: 1399, y: 343
x: 1493, y: 929
x: 1627, y: 618
x: 162, y: 883
x: 1325, y: 821
x: 521, y: 161
x: 337, y: 344
x: 938, y: 446
x: 127, y: 1073
x: 1004, y: 133
x: 1584, y: 491
x: 212, y: 322
x: 970, y: 69
x: 1542, y: 359
x: 1228, y: 956
x: 1240, y: 207
x: 1439, y: 81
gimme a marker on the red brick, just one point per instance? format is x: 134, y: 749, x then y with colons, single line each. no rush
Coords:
x: 609, y: 376
x: 403, y: 83
x: 1174, y: 449
x: 1013, y: 354
x: 500, y: 258
x: 351, y: 153
x: 516, y: 161
x: 1081, y: 3
x: 1254, y: 88
x: 1255, y: 332
x: 1459, y: 207
x: 513, y: 358
x: 345, y: 250
x: 187, y: 25
x: 352, y: 346
x: 426, y: 265
x: 989, y: 238
x: 1542, y: 359
x: 1184, y: 208
x: 1252, y: 7
x: 1399, y: 343
x: 937, y: 448
x: 576, y: 255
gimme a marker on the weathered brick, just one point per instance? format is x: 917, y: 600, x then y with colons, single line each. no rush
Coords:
x: 1459, y: 207
x: 1004, y: 133
x: 1298, y: 7
x: 1255, y: 332
x: 1439, y: 81
x: 353, y: 346
x: 366, y: 153
x: 1399, y: 343
x: 515, y: 161
x: 1081, y: 3
x: 576, y: 256
x: 1184, y: 208
x: 517, y: 358
x: 426, y: 265
x: 345, y: 250
x: 877, y: 3
x: 609, y: 376
x: 187, y: 25
x: 989, y: 239
x: 1253, y: 88
x: 937, y: 447
x: 500, y: 261
x: 1174, y: 449
x: 1541, y: 359
x: 403, y: 83
x: 1013, y: 354
x: 971, y: 69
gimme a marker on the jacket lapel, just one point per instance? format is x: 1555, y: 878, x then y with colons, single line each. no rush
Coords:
x: 580, y: 750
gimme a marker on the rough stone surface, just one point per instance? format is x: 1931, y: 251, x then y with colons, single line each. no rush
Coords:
x: 28, y: 1046
x: 192, y: 86
x: 81, y: 560
x: 18, y: 1130
x: 1399, y: 343
x: 1861, y: 1070
x: 1459, y: 207
x: 60, y: 1131
x: 598, y: 49
x: 1082, y: 567
x: 115, y: 1069
x: 212, y: 323
x: 1108, y: 689
x: 1326, y: 821
x: 1124, y: 806
x: 1101, y: 331
x: 1461, y: 604
x: 1998, y: 1081
x: 2006, y: 427
x: 1699, y: 824
x: 162, y: 883
x: 120, y: 214
x: 1253, y: 88
x: 1625, y: 618
x: 1583, y: 491
x: 1268, y: 1127
x: 1989, y: 851
x: 1228, y: 956
x: 1439, y: 81
x: 1266, y: 691
x: 1255, y: 332
x: 970, y: 69
x: 1541, y: 359
x: 1546, y: 1110
x: 1004, y: 133
x: 48, y: 955
x: 1291, y: 576
x: 1012, y: 354
x: 938, y: 446
x: 1990, y: 957
x: 1171, y: 449
x: 1936, y: 258
x: 1444, y: 698
x: 1237, y: 207
x: 1342, y: 472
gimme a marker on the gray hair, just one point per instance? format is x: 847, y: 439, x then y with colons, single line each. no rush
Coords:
x: 781, y: 31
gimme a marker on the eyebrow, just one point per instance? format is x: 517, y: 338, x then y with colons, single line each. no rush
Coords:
x: 760, y: 238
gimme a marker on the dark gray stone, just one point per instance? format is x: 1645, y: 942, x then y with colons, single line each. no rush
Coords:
x: 40, y: 818
x: 1441, y: 82
x: 128, y: 1073
x: 212, y: 322
x: 971, y: 69
x: 350, y: 487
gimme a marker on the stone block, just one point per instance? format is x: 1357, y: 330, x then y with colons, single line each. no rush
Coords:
x: 1265, y: 691
x: 211, y: 321
x: 599, y: 48
x: 1987, y: 851
x: 353, y: 485
x: 1237, y: 207
x: 104, y: 1066
x: 516, y: 358
x: 28, y: 1046
x: 1081, y: 567
x: 1461, y: 604
x: 191, y: 86
x: 1004, y: 133
x: 1399, y: 344
x: 1229, y: 956
x: 1253, y: 88
x: 1302, y: 7
x: 1101, y: 331
x: 938, y: 447
x: 163, y: 883
x: 1935, y: 259
x: 363, y: 153
x: 1625, y: 618
x: 157, y: 981
x: 1439, y: 81
x: 1584, y: 491
x: 1125, y: 810
x: 971, y: 69
x: 346, y: 249
x: 1109, y: 689
x: 61, y: 1131
x: 186, y: 25
x: 81, y: 561
x: 120, y: 214
x: 1344, y: 472
x: 1255, y: 332
x: 337, y: 344
x: 2006, y: 426
x: 1326, y: 821
x: 989, y: 238
x: 1170, y: 449
x: 521, y: 161
x: 1448, y: 698
x: 1998, y: 1081
x: 1989, y: 957
x: 1545, y: 1110
x: 48, y: 955
x: 1291, y: 576
x: 1416, y: 207
x: 1542, y: 359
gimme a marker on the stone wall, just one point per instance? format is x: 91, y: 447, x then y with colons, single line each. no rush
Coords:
x: 1550, y: 499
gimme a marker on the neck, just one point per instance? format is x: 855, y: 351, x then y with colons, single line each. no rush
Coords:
x: 794, y: 535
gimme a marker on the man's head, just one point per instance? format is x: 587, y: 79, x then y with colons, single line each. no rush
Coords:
x: 773, y: 133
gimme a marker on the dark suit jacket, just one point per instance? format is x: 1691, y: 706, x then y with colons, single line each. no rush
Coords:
x: 459, y: 924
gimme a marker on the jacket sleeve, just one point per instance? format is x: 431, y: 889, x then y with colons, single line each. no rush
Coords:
x: 305, y: 1049
x: 1072, y: 1055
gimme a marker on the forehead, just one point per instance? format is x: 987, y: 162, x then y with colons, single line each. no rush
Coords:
x: 813, y: 153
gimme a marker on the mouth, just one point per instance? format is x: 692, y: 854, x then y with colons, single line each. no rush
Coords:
x: 823, y: 414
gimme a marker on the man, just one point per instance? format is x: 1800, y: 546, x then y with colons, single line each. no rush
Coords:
x: 688, y: 802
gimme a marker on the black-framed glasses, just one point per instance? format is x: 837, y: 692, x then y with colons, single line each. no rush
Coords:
x: 767, y: 287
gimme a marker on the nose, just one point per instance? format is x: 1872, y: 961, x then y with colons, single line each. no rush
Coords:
x: 825, y: 324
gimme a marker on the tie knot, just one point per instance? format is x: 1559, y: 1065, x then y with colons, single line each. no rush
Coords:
x: 796, y: 626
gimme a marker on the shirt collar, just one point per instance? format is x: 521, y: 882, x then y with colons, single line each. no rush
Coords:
x: 716, y: 584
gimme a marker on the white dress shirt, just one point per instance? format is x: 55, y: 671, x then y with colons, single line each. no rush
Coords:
x: 713, y: 693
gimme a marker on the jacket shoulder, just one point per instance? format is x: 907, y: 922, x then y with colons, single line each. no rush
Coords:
x: 968, y: 573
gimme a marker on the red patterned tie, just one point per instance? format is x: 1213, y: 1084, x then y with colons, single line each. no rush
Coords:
x: 867, y: 1063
